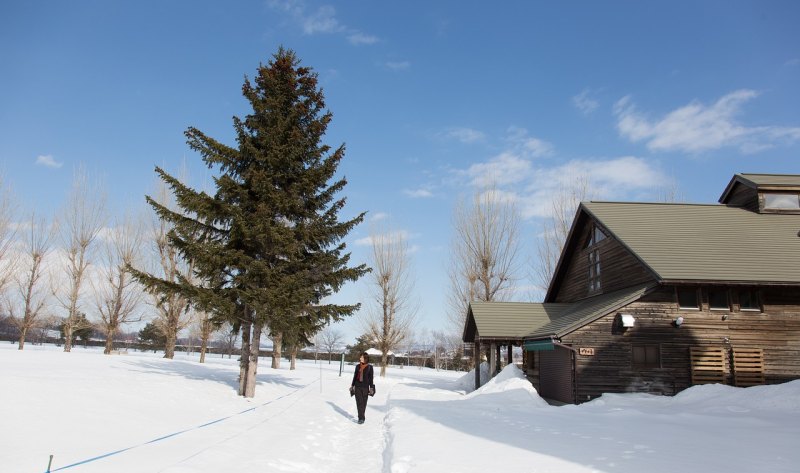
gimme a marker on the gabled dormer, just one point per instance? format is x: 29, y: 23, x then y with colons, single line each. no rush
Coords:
x: 764, y: 193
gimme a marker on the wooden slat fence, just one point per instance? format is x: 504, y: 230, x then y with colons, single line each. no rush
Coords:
x: 708, y: 365
x: 748, y: 366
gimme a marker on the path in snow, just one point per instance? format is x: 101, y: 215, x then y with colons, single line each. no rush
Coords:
x: 307, y: 429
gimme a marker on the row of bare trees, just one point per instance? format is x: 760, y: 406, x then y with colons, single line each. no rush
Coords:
x: 73, y: 270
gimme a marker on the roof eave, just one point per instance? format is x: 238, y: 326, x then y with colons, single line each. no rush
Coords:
x: 736, y: 179
x: 742, y: 282
x: 582, y: 323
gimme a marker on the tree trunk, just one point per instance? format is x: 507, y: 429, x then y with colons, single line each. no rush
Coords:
x: 169, y: 348
x: 109, y: 341
x: 277, y: 341
x: 384, y: 360
x: 244, y: 358
x: 252, y: 366
x: 205, y: 335
x: 203, y: 348
x: 67, y: 335
x: 22, y: 333
x: 293, y: 362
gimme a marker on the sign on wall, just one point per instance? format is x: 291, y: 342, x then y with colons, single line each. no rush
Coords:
x: 586, y: 351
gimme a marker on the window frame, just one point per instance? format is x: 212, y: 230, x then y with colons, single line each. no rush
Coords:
x: 727, y: 307
x: 655, y: 347
x: 596, y: 236
x: 759, y: 306
x: 696, y: 290
x: 594, y: 270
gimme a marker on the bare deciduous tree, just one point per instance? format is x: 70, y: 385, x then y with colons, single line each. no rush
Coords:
x: 117, y: 294
x: 83, y: 218
x: 32, y: 296
x: 392, y: 314
x: 555, y: 229
x: 173, y: 314
x: 227, y: 338
x: 484, y: 253
x: 330, y: 338
x: 205, y: 327
x: 8, y: 258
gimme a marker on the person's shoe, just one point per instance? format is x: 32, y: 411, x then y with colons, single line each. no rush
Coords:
x: 360, y: 421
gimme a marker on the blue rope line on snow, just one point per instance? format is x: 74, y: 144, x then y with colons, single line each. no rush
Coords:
x: 100, y: 457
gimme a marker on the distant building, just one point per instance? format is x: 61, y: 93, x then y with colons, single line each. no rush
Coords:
x: 656, y: 297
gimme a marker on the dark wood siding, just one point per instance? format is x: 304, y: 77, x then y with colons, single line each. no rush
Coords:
x: 776, y: 330
x: 743, y: 196
x: 556, y: 375
x: 618, y: 269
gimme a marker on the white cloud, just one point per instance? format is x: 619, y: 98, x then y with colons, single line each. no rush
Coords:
x: 47, y: 160
x: 464, y: 135
x: 399, y: 235
x: 792, y: 62
x: 527, y: 145
x: 585, y: 103
x: 503, y: 169
x: 538, y: 148
x: 616, y: 178
x: 696, y: 127
x: 398, y: 66
x: 418, y: 193
x: 532, y: 188
x: 378, y: 216
x: 322, y: 21
x: 361, y: 38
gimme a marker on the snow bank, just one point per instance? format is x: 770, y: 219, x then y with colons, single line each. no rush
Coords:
x: 783, y: 397
x: 709, y: 398
x: 467, y: 382
x: 510, y: 381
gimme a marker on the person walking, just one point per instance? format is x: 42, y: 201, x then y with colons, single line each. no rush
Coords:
x: 362, y: 385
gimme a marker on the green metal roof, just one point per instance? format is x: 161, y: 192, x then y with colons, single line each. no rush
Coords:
x: 512, y: 320
x: 686, y: 242
x: 769, y: 180
x: 588, y: 310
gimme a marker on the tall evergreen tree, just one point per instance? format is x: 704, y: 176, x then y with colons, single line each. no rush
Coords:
x: 268, y: 244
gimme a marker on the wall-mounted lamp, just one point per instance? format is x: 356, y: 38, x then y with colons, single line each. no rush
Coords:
x: 724, y: 316
x: 677, y: 322
x: 626, y: 320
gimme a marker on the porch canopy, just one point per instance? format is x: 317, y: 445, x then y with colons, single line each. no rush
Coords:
x: 507, y: 322
x: 499, y: 324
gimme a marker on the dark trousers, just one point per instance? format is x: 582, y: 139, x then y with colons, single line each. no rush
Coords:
x: 361, y: 401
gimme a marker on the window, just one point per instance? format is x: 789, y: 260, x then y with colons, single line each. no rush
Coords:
x: 779, y: 201
x: 595, y: 236
x: 687, y: 298
x: 594, y: 270
x: 646, y: 356
x: 718, y: 299
x: 748, y: 300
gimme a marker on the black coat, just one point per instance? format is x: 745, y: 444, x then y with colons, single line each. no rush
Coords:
x: 368, y: 382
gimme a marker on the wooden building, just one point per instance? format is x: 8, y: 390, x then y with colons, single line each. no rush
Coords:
x: 658, y: 297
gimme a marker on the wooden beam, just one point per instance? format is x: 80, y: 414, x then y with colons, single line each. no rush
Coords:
x: 476, y: 354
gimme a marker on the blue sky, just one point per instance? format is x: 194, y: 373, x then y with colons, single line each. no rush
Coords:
x: 430, y: 98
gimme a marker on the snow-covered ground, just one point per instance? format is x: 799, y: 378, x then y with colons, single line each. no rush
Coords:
x: 141, y: 413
